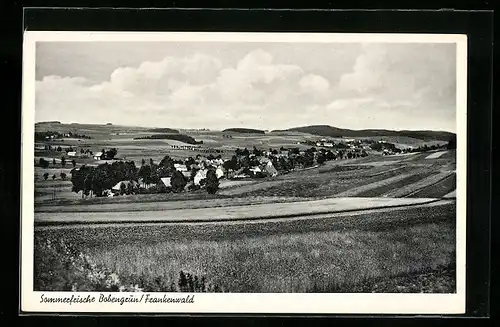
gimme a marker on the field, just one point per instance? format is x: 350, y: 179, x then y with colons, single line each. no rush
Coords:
x: 373, y: 224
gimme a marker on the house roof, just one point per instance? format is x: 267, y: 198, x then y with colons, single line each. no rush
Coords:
x: 98, y: 154
x: 166, y: 181
x: 270, y: 168
x: 126, y: 183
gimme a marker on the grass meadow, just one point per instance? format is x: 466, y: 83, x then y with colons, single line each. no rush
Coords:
x: 331, y: 261
x: 331, y: 255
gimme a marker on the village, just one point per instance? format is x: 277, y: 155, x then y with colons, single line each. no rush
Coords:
x: 104, y: 173
x: 111, y: 176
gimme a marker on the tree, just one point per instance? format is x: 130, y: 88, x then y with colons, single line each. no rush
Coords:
x: 63, y: 176
x: 143, y: 162
x: 101, y: 179
x: 123, y: 189
x: 212, y: 182
x: 43, y: 163
x: 45, y: 176
x: 145, y: 174
x: 130, y: 188
x: 194, y: 171
x: 78, y: 177
x: 257, y: 152
x: 63, y: 161
x: 177, y: 181
x: 54, y: 177
x: 73, y: 162
x: 110, y: 154
x: 54, y: 161
x: 321, y: 158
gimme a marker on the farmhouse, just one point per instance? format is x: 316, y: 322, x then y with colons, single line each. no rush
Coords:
x: 200, y: 175
x: 269, y: 168
x: 219, y: 172
x: 166, y: 181
x: 72, y: 154
x: 255, y: 169
x: 98, y: 156
x: 180, y: 167
x: 328, y: 145
x: 124, y: 185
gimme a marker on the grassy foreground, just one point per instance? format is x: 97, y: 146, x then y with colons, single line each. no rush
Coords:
x: 319, y: 261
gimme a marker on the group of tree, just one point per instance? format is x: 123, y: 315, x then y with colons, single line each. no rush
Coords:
x: 42, y: 136
x: 176, y: 137
x: 243, y: 158
x: 88, y: 179
x: 62, y: 175
x: 109, y: 154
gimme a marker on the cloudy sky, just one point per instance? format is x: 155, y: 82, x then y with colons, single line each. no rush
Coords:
x: 257, y: 85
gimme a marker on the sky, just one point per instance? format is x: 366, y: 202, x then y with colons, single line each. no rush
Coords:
x: 267, y: 86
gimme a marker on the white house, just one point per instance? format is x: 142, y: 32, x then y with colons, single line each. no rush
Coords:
x: 255, y: 169
x: 166, y: 181
x: 328, y: 145
x: 72, y: 154
x: 270, y: 169
x: 118, y: 186
x: 97, y: 155
x: 200, y: 175
x: 219, y: 172
x: 180, y: 167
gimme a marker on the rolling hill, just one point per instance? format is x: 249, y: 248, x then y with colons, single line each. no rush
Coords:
x: 243, y: 130
x: 163, y: 130
x: 330, y: 131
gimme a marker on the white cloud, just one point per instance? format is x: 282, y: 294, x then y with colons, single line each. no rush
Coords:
x: 388, y: 84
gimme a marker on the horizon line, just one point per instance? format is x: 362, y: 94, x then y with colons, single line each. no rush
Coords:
x: 259, y: 129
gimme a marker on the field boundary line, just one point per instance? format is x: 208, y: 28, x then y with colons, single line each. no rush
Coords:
x: 430, y: 185
x: 222, y: 220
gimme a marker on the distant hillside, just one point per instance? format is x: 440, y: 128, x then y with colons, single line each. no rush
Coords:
x: 325, y: 130
x: 243, y: 130
x: 48, y: 122
x: 175, y: 137
x: 163, y: 130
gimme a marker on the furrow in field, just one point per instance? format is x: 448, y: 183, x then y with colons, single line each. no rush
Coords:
x: 409, y: 189
x: 397, y: 184
x: 360, y: 190
x: 439, y: 189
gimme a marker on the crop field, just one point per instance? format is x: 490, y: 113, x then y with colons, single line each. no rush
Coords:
x: 333, y: 254
x: 372, y: 224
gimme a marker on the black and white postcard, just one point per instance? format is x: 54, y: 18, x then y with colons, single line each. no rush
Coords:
x: 243, y: 172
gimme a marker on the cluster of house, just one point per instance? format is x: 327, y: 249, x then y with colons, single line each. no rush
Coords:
x: 197, y: 148
x: 202, y: 166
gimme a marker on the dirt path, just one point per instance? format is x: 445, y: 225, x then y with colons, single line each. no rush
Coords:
x: 166, y: 205
x: 232, y: 213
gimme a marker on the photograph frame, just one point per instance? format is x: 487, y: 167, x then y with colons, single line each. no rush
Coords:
x: 174, y: 10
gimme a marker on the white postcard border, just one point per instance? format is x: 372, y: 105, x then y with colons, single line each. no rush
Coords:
x: 241, y: 302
